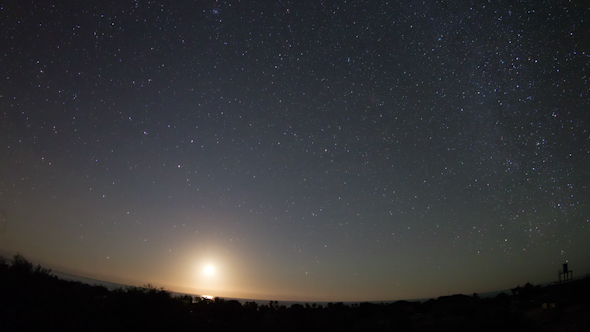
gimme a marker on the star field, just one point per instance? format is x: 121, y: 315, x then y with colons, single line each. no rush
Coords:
x: 308, y: 150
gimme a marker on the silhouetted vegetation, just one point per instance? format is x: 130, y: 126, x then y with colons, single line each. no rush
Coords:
x: 31, y: 299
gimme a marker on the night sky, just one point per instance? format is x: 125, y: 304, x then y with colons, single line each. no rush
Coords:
x: 297, y: 150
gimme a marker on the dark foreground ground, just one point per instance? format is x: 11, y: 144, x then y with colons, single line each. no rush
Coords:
x: 33, y: 300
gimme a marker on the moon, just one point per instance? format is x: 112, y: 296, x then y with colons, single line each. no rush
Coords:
x: 209, y: 270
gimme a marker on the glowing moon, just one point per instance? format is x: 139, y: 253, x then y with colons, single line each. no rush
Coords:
x: 209, y: 270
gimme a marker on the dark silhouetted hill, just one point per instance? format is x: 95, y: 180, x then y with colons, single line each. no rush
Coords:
x: 31, y: 299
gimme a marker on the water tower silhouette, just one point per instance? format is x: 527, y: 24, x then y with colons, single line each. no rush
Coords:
x: 566, y: 275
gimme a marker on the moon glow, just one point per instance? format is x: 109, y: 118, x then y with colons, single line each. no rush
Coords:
x: 209, y: 270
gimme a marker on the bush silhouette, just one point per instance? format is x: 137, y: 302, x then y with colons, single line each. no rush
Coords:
x: 21, y: 265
